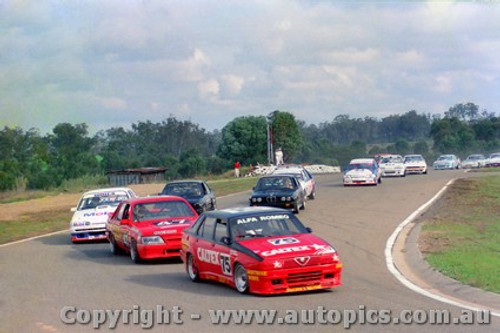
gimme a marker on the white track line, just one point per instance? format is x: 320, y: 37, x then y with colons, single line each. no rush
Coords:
x: 407, y: 283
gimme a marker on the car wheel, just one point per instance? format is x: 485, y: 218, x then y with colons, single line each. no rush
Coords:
x: 312, y: 196
x: 303, y: 204
x: 192, y: 269
x: 134, y: 253
x: 425, y: 172
x: 214, y: 205
x: 113, y: 247
x: 296, y: 208
x: 241, y: 279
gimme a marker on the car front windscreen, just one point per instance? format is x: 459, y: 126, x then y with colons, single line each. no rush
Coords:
x: 274, y: 183
x: 161, y: 210
x: 183, y: 190
x: 265, y: 226
x: 95, y: 200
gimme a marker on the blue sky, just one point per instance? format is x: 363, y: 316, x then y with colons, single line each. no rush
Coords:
x: 111, y: 63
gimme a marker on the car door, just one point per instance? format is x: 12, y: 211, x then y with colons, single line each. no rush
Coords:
x: 225, y: 269
x: 206, y: 258
x: 117, y: 227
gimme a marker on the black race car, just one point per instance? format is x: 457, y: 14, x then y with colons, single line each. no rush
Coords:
x: 282, y: 191
x: 196, y: 192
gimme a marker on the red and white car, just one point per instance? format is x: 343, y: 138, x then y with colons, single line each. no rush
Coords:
x: 260, y: 250
x: 150, y: 227
x: 91, y: 214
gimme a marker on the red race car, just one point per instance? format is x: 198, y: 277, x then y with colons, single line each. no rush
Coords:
x: 261, y: 250
x: 149, y: 227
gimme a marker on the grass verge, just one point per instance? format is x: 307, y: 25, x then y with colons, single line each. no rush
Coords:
x: 462, y: 238
x: 43, y: 222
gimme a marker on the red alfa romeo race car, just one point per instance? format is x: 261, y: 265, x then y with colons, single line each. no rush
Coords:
x: 261, y: 250
x: 150, y: 227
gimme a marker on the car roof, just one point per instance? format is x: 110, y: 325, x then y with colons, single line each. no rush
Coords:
x: 157, y: 198
x: 185, y: 181
x: 110, y: 189
x: 362, y: 161
x: 244, y: 211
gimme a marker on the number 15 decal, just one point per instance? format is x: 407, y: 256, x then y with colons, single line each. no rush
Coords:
x: 225, y: 263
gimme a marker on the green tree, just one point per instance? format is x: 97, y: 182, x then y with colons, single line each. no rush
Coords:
x: 191, y: 163
x: 244, y: 139
x: 287, y: 135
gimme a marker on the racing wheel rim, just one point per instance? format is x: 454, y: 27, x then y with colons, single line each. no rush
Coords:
x: 241, y: 279
x: 192, y: 270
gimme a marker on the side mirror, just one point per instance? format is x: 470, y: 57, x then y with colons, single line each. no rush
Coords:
x: 73, y: 209
x: 309, y: 230
x: 226, y: 240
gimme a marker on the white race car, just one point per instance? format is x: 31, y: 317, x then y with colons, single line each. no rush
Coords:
x: 474, y: 161
x: 392, y: 165
x: 91, y: 215
x: 362, y: 171
x: 415, y: 163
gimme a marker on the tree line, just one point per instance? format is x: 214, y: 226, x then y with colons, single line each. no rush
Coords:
x: 31, y: 160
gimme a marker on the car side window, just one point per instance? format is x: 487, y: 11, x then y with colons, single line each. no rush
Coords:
x: 207, y: 229
x: 125, y: 212
x: 220, y: 230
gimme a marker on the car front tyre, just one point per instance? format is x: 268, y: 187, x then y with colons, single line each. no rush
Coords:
x: 113, y: 247
x: 312, y: 196
x: 241, y: 279
x: 192, y: 269
x: 134, y: 253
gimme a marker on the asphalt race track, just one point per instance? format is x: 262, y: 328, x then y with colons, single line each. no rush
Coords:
x: 44, y: 277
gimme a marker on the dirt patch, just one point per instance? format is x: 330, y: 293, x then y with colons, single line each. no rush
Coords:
x: 62, y: 201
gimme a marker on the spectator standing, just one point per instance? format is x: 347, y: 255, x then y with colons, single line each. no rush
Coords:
x: 278, y: 156
x: 237, y: 169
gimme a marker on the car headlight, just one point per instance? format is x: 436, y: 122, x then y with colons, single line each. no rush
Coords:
x: 151, y: 240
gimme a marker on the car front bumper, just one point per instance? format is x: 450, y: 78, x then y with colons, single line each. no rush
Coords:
x: 295, y: 280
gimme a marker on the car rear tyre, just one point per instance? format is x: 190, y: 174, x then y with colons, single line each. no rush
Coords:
x: 312, y: 196
x: 192, y: 269
x: 134, y: 253
x: 113, y: 247
x: 241, y: 279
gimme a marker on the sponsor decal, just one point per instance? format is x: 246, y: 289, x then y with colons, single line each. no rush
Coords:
x: 307, y: 288
x: 261, y: 218
x: 302, y: 261
x: 278, y: 264
x: 164, y: 232
x: 208, y: 256
x: 323, y: 249
x: 225, y: 264
x: 95, y: 214
x: 282, y: 241
x: 286, y: 250
x: 256, y: 273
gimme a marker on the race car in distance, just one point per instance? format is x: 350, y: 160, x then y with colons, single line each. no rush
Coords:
x: 392, y: 165
x: 446, y: 161
x: 474, y: 161
x: 149, y: 227
x: 415, y: 163
x: 362, y: 171
x: 305, y: 178
x: 92, y: 212
x: 282, y: 191
x: 196, y: 192
x: 260, y: 250
x: 493, y: 160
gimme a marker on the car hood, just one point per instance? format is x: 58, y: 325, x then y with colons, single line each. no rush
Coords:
x: 276, y: 192
x: 97, y: 215
x: 288, y: 246
x: 359, y: 173
x: 163, y: 226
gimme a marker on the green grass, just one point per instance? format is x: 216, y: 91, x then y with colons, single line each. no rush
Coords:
x: 465, y: 241
x: 33, y: 225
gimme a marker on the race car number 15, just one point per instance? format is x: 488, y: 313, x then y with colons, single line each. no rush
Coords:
x: 225, y: 262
